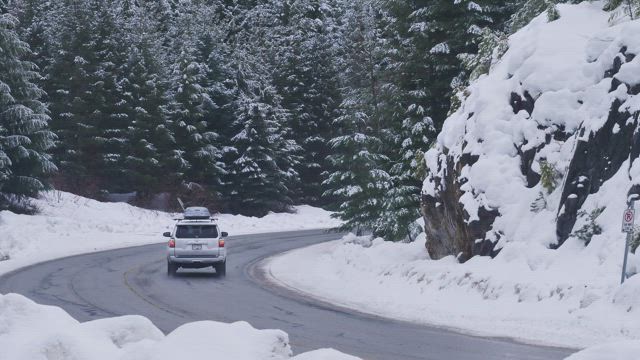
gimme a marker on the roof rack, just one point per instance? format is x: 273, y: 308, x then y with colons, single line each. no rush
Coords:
x: 212, y: 219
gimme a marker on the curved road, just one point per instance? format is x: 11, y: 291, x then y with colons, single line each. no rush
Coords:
x: 134, y: 281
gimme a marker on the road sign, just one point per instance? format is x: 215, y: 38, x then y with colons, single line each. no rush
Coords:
x: 627, y: 226
x: 627, y: 220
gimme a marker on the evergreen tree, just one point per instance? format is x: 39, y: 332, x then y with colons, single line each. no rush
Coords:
x: 201, y: 98
x: 108, y: 148
x: 24, y: 135
x: 68, y: 86
x: 149, y: 136
x: 142, y: 82
x: 257, y: 178
x: 35, y: 29
x: 307, y: 78
x: 255, y: 50
x: 358, y: 179
x: 196, y: 156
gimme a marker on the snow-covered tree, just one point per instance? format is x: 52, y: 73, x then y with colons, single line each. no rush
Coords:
x: 358, y: 181
x: 257, y: 179
x: 621, y: 9
x: 307, y: 78
x: 24, y: 135
x: 527, y: 10
x: 358, y: 178
x: 196, y: 155
x: 107, y: 149
x: 68, y: 88
x: 149, y: 137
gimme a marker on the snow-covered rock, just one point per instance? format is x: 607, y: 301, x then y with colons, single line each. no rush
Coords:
x: 539, y: 152
x: 29, y: 331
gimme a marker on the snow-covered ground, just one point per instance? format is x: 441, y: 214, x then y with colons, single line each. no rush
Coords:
x: 70, y: 224
x: 32, y: 331
x: 568, y: 297
x: 548, y: 299
x: 622, y: 350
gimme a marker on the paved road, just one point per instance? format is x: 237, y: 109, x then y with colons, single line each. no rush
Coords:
x: 134, y: 281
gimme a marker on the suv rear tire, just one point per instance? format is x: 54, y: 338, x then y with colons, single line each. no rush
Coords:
x: 171, y: 269
x: 221, y: 269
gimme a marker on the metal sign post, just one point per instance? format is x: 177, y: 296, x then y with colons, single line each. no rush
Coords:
x: 628, y: 219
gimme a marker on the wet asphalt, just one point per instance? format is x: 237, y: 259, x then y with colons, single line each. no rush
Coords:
x: 134, y: 281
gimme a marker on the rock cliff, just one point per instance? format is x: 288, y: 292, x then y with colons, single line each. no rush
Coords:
x: 554, y: 121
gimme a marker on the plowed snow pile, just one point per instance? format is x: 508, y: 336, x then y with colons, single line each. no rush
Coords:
x: 32, y: 332
x: 570, y: 296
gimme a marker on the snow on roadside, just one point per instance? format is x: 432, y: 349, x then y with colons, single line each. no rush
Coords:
x: 69, y: 224
x: 622, y: 350
x: 535, y: 297
x: 32, y: 331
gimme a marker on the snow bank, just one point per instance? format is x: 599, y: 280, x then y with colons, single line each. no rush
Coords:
x: 534, y: 295
x: 624, y: 350
x: 70, y: 224
x: 31, y: 331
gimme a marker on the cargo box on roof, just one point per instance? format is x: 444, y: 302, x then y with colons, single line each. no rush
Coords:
x: 197, y: 212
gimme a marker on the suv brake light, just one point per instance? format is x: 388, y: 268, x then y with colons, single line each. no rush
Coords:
x: 221, y: 243
x: 172, y: 243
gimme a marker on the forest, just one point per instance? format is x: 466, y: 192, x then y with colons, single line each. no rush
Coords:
x: 244, y: 106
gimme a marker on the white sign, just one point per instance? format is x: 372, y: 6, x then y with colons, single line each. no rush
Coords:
x: 627, y: 220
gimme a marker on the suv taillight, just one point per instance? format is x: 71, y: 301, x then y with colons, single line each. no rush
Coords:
x: 221, y: 243
x: 172, y: 243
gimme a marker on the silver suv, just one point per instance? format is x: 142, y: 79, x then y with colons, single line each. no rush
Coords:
x: 196, y: 242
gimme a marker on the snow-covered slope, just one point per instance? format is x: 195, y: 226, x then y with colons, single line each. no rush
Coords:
x: 560, y: 109
x: 32, y: 331
x: 541, y: 144
x: 70, y: 224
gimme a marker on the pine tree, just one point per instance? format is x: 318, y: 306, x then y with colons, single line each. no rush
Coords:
x: 149, y: 136
x: 257, y: 178
x: 359, y: 179
x: 143, y: 86
x: 68, y: 87
x: 307, y: 78
x: 108, y: 148
x: 197, y: 155
x: 24, y: 135
x: 35, y: 29
x: 255, y: 41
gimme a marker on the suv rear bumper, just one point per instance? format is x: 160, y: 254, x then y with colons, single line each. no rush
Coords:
x: 200, y: 260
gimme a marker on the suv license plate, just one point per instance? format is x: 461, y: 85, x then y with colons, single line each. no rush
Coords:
x: 197, y: 247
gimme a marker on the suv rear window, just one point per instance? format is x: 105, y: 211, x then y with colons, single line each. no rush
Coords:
x: 196, y: 231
